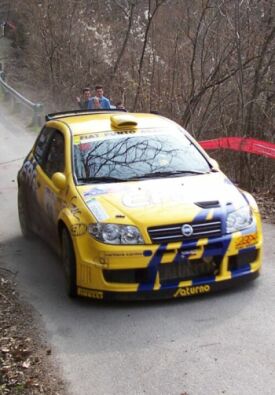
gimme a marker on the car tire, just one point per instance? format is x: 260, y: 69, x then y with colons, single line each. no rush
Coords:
x: 68, y: 262
x: 24, y: 220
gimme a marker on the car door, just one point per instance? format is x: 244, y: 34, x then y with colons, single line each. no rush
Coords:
x: 50, y: 198
x: 29, y: 181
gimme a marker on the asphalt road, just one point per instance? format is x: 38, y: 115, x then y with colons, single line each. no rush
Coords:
x: 218, y: 344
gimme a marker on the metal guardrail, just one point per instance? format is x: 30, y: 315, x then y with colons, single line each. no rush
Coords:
x: 18, y: 99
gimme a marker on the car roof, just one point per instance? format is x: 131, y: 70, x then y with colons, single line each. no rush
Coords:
x: 100, y: 122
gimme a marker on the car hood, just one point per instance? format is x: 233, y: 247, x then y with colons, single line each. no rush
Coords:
x: 162, y: 201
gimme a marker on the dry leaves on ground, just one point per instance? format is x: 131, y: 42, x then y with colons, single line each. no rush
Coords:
x: 25, y: 368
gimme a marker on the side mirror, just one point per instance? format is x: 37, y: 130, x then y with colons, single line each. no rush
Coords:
x: 59, y: 180
x: 214, y: 164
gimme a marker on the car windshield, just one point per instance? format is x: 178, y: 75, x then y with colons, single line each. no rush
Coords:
x: 114, y: 157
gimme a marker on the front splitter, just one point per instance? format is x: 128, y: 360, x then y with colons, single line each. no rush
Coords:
x: 168, y: 293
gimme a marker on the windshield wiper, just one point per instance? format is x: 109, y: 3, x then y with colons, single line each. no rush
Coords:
x: 156, y: 174
x: 167, y: 173
x: 101, y: 179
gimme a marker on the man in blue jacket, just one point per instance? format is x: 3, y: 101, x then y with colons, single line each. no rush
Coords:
x: 104, y: 103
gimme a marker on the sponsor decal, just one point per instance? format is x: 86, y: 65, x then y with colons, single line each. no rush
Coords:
x: 76, y: 139
x: 78, y: 229
x: 91, y: 136
x: 88, y: 136
x: 125, y: 131
x: 85, y: 147
x: 121, y: 254
x: 70, y: 205
x: 50, y: 203
x: 95, y: 192
x: 75, y: 211
x: 246, y: 241
x: 189, y: 291
x: 186, y: 254
x: 153, y: 195
x: 29, y: 173
x: 97, y: 210
x: 140, y: 199
x: 103, y: 190
x: 90, y: 293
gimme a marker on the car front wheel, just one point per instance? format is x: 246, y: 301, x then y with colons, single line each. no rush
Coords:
x: 68, y: 262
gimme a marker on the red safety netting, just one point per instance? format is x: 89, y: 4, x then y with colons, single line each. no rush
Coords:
x: 253, y: 146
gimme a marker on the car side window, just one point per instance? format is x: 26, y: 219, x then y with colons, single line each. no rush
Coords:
x: 54, y: 160
x: 42, y: 143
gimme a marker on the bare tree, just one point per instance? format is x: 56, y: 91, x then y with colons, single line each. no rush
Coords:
x: 208, y: 64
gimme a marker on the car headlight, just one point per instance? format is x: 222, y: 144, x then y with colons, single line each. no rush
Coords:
x: 239, y: 219
x: 116, y: 234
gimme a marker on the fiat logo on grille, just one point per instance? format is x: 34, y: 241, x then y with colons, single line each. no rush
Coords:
x: 187, y: 230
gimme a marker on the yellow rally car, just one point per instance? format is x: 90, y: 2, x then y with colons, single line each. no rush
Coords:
x: 136, y: 208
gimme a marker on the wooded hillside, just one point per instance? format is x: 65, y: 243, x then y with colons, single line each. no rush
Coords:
x: 208, y: 64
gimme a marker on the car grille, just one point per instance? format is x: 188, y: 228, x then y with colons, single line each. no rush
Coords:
x: 189, y: 270
x: 182, y: 270
x: 171, y: 233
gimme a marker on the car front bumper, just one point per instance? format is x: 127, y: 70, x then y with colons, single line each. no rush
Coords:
x: 121, y: 273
